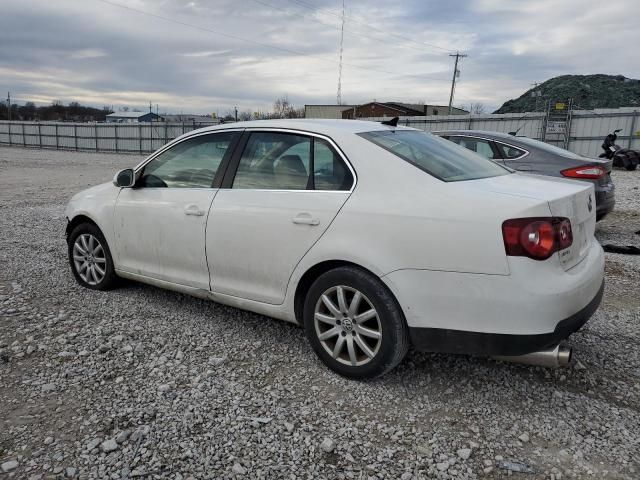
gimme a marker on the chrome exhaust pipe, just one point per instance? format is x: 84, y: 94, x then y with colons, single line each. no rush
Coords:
x: 558, y: 356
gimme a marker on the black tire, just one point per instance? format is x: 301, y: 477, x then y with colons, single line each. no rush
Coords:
x: 394, y: 340
x: 109, y: 280
x: 631, y: 166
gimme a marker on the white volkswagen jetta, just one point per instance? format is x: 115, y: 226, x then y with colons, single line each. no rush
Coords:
x: 373, y: 237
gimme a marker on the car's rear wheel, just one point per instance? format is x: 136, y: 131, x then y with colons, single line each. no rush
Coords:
x: 90, y: 258
x: 354, y: 323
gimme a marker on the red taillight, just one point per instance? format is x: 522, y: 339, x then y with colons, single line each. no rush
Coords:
x: 536, y: 237
x: 592, y: 172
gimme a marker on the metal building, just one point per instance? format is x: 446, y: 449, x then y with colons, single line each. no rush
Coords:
x: 132, y: 117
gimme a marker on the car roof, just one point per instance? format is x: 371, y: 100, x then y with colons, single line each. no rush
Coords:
x: 322, y: 126
x: 479, y: 133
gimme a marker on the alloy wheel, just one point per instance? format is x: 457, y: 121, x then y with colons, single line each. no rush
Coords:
x: 347, y: 325
x: 89, y: 259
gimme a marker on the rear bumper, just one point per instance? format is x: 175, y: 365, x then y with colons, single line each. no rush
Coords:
x: 605, y: 201
x: 537, y: 304
x: 489, y: 344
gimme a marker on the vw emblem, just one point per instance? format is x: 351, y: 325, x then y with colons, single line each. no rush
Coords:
x: 347, y: 325
x: 590, y: 203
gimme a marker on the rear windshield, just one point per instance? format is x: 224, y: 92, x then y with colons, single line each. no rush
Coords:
x: 438, y: 157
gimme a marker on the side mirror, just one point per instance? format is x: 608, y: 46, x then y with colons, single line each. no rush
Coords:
x: 125, y: 178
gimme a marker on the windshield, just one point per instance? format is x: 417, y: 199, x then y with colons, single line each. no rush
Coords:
x: 548, y: 148
x: 438, y: 157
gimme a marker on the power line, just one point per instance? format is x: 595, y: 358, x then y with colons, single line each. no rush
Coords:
x: 371, y: 27
x: 255, y: 42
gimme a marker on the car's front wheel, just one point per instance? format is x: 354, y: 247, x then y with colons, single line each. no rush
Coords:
x: 90, y: 258
x: 354, y: 323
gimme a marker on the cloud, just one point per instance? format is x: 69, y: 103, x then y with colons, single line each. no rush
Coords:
x: 397, y: 50
x: 88, y: 53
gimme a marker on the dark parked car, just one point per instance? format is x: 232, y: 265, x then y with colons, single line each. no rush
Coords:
x: 535, y: 157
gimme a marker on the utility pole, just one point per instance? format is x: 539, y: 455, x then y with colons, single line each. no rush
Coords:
x: 9, y: 104
x: 236, y: 110
x: 456, y: 74
x: 339, y: 96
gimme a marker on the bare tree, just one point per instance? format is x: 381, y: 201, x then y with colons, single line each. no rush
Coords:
x: 245, y: 115
x: 476, y: 108
x: 230, y: 115
x: 281, y: 107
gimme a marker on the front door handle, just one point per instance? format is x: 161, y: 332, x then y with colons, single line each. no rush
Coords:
x: 193, y: 210
x: 305, y: 219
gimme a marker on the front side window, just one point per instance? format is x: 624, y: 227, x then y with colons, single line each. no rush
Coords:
x: 274, y: 161
x: 508, y: 152
x: 478, y: 145
x: 192, y: 163
x: 438, y: 157
x: 329, y: 170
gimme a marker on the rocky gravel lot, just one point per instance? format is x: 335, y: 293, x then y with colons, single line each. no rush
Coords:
x: 145, y: 383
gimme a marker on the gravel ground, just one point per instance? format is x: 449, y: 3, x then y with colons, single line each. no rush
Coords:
x: 145, y: 383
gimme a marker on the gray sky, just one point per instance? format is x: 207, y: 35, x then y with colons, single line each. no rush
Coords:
x: 215, y: 54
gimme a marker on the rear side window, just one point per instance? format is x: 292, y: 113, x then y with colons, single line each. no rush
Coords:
x: 478, y: 145
x: 508, y: 152
x: 438, y: 157
x: 286, y: 161
x: 329, y: 170
x: 274, y: 161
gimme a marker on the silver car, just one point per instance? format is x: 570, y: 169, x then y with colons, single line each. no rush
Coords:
x: 535, y: 157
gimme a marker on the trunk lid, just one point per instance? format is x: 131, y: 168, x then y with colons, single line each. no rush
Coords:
x: 571, y: 199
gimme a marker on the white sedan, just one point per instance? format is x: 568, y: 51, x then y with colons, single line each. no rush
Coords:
x: 371, y: 236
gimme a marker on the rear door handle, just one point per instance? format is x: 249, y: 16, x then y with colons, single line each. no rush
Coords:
x: 193, y: 210
x: 305, y: 219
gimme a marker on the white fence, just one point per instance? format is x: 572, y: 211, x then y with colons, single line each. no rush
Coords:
x: 99, y: 137
x: 587, y: 129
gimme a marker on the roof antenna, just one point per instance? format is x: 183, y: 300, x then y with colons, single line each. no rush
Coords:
x: 393, y: 122
x: 513, y: 134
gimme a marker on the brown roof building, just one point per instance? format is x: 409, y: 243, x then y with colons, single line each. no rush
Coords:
x: 397, y: 109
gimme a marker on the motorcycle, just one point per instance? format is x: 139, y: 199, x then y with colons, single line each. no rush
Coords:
x: 622, y: 157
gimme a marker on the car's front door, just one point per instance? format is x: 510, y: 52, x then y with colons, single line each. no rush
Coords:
x: 160, y: 223
x: 283, y: 190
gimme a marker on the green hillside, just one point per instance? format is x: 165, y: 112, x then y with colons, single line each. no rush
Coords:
x: 588, y: 92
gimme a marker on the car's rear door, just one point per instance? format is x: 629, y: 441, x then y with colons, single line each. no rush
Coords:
x: 160, y: 223
x: 281, y: 192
